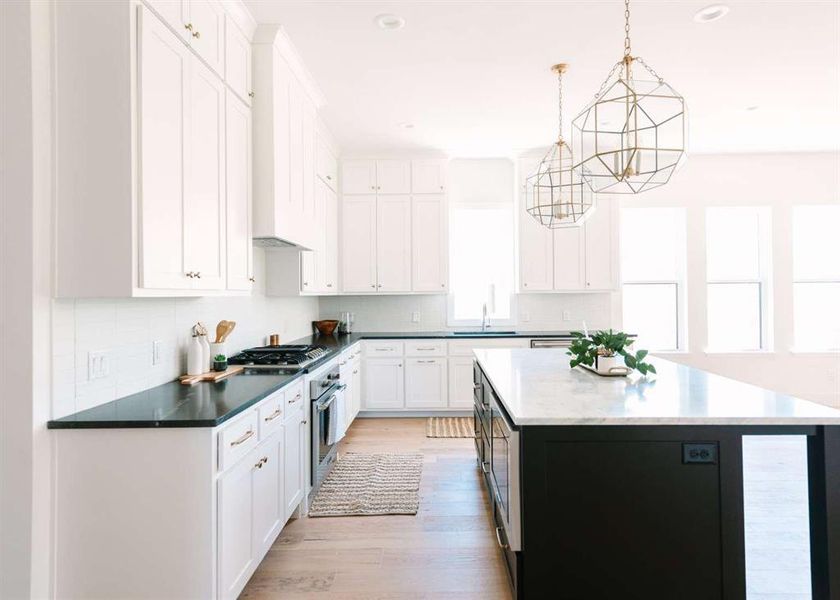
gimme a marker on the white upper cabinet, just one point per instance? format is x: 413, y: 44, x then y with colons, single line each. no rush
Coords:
x: 358, y: 176
x: 326, y: 165
x: 240, y: 268
x: 393, y: 243
x: 428, y: 176
x: 535, y: 248
x: 207, y: 19
x: 358, y: 243
x: 393, y: 177
x: 569, y: 259
x: 601, y: 246
x: 429, y: 248
x: 152, y: 183
x: 204, y: 207
x: 164, y: 97
x: 238, y: 61
x: 331, y: 244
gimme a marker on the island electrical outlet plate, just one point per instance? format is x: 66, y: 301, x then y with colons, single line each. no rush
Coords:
x: 699, y: 453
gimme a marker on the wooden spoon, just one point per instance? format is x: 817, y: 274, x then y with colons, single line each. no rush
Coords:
x: 228, y: 329
x: 220, y: 331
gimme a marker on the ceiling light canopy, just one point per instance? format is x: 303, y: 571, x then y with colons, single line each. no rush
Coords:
x: 555, y: 195
x: 710, y: 13
x: 631, y: 137
x: 389, y: 21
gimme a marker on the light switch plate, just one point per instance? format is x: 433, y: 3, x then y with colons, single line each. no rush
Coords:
x: 98, y: 365
x: 415, y: 316
x: 156, y: 348
x: 567, y: 315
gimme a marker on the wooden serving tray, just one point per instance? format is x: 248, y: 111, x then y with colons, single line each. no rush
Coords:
x: 211, y: 375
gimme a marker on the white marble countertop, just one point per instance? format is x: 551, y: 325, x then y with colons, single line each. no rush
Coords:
x: 537, y: 387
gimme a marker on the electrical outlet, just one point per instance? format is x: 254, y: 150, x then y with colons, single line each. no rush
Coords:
x: 701, y: 453
x: 567, y: 315
x: 525, y: 317
x: 99, y: 365
x: 156, y: 349
x: 415, y: 316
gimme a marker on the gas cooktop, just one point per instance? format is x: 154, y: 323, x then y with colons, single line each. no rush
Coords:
x: 290, y: 357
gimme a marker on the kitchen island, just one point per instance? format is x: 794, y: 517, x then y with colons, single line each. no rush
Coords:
x: 633, y: 488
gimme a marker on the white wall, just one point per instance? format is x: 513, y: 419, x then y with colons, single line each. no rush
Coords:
x: 126, y: 330
x: 779, y: 181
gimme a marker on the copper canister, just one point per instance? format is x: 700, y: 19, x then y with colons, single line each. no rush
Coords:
x: 274, y: 339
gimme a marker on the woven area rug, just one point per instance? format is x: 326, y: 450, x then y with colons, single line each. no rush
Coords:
x: 370, y: 484
x: 449, y: 427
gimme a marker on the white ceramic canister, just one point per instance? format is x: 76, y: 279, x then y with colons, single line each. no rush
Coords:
x: 205, y: 347
x: 195, y: 357
x: 217, y: 348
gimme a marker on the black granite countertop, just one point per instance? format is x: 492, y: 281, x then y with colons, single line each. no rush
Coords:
x: 210, y: 404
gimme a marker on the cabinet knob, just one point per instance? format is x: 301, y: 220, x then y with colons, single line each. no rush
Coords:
x: 252, y: 280
x: 328, y: 177
x: 442, y: 285
x: 198, y: 274
x: 373, y: 285
x: 251, y: 94
x: 329, y: 285
x: 188, y: 26
x: 379, y: 285
x: 373, y: 187
x: 305, y: 283
x: 441, y: 187
x: 196, y: 34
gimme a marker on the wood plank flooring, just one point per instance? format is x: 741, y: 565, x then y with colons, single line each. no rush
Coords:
x: 448, y: 550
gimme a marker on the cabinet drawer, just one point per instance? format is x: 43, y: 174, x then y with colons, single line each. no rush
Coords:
x: 383, y: 349
x: 270, y: 413
x: 465, y: 347
x: 425, y: 348
x: 295, y: 398
x: 237, y: 439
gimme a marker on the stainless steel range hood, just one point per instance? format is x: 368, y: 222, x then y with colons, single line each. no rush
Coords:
x: 276, y: 242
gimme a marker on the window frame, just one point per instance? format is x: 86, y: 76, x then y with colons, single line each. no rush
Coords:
x: 512, y: 320
x: 680, y: 282
x: 764, y: 281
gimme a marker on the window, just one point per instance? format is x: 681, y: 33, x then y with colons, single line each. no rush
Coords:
x: 816, y: 277
x: 737, y: 278
x: 653, y: 276
x: 482, y: 263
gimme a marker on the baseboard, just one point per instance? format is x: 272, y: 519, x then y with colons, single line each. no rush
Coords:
x: 396, y: 414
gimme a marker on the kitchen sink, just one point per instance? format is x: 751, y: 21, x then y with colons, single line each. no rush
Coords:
x: 490, y: 333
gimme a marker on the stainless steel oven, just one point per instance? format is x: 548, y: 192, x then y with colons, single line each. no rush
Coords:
x: 504, y: 468
x: 324, y: 392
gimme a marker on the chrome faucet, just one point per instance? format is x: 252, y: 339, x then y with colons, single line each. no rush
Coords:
x: 485, y: 318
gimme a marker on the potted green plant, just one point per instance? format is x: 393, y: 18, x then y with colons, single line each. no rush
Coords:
x: 220, y: 362
x: 604, y: 352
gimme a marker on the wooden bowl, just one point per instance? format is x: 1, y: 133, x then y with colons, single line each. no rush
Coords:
x: 326, y: 327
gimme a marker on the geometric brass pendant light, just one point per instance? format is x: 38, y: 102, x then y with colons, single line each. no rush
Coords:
x: 556, y: 195
x: 631, y: 137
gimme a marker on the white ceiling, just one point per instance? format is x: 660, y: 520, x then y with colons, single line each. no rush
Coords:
x: 473, y: 77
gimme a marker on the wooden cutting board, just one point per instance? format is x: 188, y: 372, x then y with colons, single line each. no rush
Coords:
x: 212, y: 375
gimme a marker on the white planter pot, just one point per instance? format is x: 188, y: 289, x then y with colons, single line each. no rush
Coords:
x: 611, y: 365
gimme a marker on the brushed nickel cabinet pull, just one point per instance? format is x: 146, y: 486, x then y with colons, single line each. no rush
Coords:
x: 499, y: 538
x: 188, y: 26
x: 252, y: 280
x: 251, y: 94
x: 273, y: 415
x: 196, y: 34
x: 245, y: 437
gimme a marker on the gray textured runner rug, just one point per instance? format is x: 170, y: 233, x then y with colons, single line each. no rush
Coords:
x: 449, y: 427
x: 370, y: 484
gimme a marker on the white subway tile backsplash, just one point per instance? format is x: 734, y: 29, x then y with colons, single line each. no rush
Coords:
x: 126, y: 329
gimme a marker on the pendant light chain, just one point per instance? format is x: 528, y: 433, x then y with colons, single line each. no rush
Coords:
x: 626, y: 29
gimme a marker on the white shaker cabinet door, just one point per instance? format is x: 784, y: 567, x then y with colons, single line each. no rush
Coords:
x: 429, y: 249
x: 601, y: 240
x: 207, y: 38
x: 425, y: 383
x: 269, y: 503
x: 358, y: 239
x: 358, y: 176
x: 393, y: 243
x: 535, y: 255
x: 204, y: 210
x: 237, y: 61
x: 293, y: 462
x: 175, y: 13
x: 163, y: 93
x: 461, y: 382
x: 428, y: 176
x: 331, y: 246
x: 569, y: 264
x: 240, y: 268
x: 236, y: 541
x: 308, y: 272
x: 393, y: 176
x: 384, y: 383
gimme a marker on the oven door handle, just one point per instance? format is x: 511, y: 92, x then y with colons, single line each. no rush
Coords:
x: 322, y: 406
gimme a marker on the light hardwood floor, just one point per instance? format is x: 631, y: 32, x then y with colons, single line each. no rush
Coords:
x: 448, y: 550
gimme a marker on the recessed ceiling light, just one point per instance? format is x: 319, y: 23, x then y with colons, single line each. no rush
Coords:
x: 752, y: 108
x: 389, y: 21
x: 713, y: 12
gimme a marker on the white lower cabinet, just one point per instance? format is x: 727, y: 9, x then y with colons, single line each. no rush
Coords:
x: 425, y: 383
x: 269, y: 515
x: 384, y: 383
x: 294, y: 470
x: 236, y: 532
x: 356, y: 389
x: 460, y: 382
